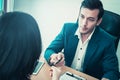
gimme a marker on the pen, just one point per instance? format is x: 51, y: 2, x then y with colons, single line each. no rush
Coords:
x: 53, y: 64
x: 75, y: 76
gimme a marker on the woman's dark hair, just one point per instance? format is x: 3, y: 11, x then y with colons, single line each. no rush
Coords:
x: 93, y: 4
x: 20, y: 45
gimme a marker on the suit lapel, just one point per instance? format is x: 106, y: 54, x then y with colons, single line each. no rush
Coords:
x: 92, y: 46
x: 90, y: 51
x: 72, y: 47
x: 72, y: 42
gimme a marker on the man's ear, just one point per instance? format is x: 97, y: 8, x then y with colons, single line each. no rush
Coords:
x: 99, y: 21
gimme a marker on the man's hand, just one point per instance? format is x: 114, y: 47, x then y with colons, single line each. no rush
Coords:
x: 57, y: 59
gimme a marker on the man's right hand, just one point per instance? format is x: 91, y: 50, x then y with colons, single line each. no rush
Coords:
x: 57, y: 59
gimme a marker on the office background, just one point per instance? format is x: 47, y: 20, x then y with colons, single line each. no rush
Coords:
x: 52, y: 14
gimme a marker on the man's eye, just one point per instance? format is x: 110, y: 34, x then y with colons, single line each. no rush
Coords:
x: 91, y: 19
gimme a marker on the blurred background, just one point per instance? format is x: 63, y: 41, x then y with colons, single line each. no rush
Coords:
x: 52, y: 14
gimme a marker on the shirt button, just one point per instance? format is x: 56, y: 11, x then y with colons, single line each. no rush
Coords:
x: 77, y: 69
x: 78, y: 58
x: 80, y: 48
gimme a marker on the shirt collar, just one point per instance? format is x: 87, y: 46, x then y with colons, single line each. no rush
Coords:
x: 79, y: 36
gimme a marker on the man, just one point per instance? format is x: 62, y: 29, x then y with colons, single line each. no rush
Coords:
x: 86, y: 46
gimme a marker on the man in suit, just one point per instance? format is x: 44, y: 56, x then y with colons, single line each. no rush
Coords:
x: 86, y: 46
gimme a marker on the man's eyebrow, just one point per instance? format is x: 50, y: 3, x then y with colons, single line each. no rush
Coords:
x: 91, y: 17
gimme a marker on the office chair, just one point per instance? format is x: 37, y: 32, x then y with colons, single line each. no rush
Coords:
x: 111, y: 24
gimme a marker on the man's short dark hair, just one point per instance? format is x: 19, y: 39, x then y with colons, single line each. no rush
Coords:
x: 93, y: 4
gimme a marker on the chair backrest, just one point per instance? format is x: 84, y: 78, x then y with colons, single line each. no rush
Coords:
x: 118, y: 54
x: 111, y: 24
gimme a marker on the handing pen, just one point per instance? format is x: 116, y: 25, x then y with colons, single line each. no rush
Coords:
x: 53, y: 64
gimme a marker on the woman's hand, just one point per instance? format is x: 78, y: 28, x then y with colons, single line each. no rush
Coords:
x: 55, y: 72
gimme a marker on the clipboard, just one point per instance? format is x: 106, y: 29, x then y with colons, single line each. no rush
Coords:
x: 71, y: 76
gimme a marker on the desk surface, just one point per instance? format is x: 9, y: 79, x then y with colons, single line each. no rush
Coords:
x: 44, y: 73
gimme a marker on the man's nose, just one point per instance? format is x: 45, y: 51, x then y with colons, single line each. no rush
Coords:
x: 84, y: 22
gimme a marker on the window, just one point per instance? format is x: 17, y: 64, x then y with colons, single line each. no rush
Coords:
x: 1, y: 6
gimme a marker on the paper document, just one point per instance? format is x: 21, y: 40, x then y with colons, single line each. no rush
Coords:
x: 70, y: 76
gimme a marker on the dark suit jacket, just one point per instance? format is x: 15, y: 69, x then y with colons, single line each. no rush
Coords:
x: 100, y: 59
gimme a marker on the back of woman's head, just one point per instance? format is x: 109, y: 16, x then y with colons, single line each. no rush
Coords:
x: 20, y: 45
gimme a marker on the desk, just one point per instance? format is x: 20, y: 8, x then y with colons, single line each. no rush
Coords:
x: 44, y: 72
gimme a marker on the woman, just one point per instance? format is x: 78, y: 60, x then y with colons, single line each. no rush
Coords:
x: 20, y: 45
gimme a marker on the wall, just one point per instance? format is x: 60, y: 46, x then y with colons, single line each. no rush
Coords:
x: 52, y: 14
x: 112, y: 5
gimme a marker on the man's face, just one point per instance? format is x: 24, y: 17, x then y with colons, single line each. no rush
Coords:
x: 88, y: 19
